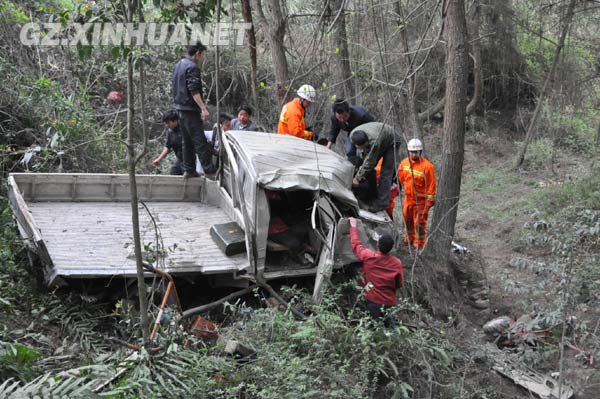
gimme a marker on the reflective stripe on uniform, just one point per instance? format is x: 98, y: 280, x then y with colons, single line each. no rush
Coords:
x: 416, y: 172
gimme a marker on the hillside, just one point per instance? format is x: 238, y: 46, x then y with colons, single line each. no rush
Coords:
x: 479, y: 82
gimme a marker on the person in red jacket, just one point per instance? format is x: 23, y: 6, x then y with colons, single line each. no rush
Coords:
x: 291, y: 119
x: 382, y: 273
x: 417, y: 175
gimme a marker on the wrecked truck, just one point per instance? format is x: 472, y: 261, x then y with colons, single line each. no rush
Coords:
x: 79, y: 225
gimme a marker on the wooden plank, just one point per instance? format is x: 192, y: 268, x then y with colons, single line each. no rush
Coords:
x: 94, y: 239
x: 26, y: 221
x: 106, y: 187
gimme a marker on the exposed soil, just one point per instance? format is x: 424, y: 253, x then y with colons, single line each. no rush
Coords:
x: 493, y: 242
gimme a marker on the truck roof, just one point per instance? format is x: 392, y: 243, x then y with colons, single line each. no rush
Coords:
x: 284, y: 162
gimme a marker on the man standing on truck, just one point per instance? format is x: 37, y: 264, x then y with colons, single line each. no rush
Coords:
x: 291, y: 119
x: 172, y: 142
x: 187, y: 96
x: 376, y: 141
x: 417, y: 175
x: 382, y: 273
x: 347, y: 118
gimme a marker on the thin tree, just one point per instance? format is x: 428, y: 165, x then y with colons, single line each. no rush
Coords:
x: 276, y: 28
x: 132, y: 161
x: 475, y: 103
x: 450, y: 169
x: 411, y: 119
x: 342, y: 71
x: 250, y: 34
x: 561, y: 42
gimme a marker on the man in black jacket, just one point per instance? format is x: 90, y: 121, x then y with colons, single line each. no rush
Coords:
x: 172, y: 143
x: 187, y: 96
x: 346, y: 117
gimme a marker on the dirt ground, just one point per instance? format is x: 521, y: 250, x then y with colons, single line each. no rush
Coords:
x: 489, y: 231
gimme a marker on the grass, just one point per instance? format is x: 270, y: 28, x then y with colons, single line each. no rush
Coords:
x: 481, y: 191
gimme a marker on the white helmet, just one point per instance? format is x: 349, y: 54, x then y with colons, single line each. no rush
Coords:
x: 415, y: 145
x: 307, y: 92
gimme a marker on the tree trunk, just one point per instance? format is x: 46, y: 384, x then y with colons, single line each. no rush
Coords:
x: 276, y: 28
x: 561, y: 41
x: 475, y: 105
x: 450, y: 171
x: 135, y: 217
x: 598, y: 139
x: 343, y: 72
x: 411, y: 118
x: 247, y: 13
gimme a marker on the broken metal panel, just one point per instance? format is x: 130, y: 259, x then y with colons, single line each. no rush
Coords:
x: 261, y: 220
x: 325, y: 266
x: 544, y: 386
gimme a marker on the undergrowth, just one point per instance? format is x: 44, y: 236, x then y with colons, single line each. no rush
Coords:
x: 561, y: 255
x: 337, y: 353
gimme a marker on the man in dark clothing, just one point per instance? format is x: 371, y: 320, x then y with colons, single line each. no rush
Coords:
x: 346, y: 117
x: 173, y: 142
x: 382, y: 273
x: 376, y: 141
x: 187, y: 96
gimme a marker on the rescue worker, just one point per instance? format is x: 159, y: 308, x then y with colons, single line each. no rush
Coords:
x: 243, y: 121
x: 291, y: 119
x: 376, y: 141
x: 187, y: 96
x: 172, y: 143
x: 346, y: 117
x: 382, y: 273
x: 417, y: 176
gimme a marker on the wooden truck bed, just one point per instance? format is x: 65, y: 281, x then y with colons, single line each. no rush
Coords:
x: 80, y: 225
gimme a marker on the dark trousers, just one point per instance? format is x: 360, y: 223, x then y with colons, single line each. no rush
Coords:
x: 177, y: 168
x: 376, y: 312
x: 370, y: 190
x: 388, y: 168
x: 194, y: 142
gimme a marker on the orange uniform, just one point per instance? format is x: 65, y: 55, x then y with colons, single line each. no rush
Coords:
x: 291, y: 120
x: 418, y: 180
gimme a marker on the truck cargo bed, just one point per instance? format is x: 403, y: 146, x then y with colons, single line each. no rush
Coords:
x: 82, y: 224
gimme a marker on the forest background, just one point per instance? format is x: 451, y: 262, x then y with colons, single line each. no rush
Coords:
x: 506, y: 97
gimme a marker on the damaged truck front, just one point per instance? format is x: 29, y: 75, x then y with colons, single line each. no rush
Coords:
x: 79, y: 225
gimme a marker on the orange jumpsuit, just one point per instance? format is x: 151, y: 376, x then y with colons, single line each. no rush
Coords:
x: 418, y: 180
x: 291, y: 120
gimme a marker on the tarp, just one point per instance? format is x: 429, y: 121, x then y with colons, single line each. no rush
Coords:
x: 283, y: 162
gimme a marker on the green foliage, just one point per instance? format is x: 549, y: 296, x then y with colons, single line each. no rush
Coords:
x: 540, y: 154
x: 337, y: 353
x: 481, y: 189
x: 581, y: 191
x: 568, y: 233
x: 18, y: 361
x: 575, y: 127
x: 12, y: 13
x: 489, y: 180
